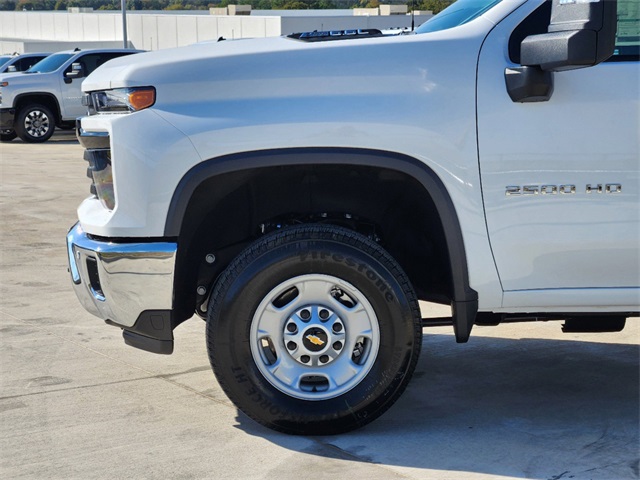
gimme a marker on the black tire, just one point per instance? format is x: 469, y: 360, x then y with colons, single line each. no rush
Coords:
x: 7, y: 137
x: 35, y: 123
x: 368, y: 279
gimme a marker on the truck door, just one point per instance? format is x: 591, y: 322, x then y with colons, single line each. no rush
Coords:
x: 560, y: 178
x: 71, y: 88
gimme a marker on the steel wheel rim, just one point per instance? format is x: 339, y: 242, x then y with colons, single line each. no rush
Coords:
x: 314, y: 337
x: 36, y: 123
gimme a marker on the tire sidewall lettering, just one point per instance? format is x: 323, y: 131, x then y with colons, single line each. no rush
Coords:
x: 361, y: 267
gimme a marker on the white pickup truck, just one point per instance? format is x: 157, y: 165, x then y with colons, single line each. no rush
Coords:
x: 302, y: 193
x: 20, y: 62
x: 48, y: 94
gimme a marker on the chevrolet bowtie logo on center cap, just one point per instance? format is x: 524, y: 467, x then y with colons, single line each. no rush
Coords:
x: 315, y: 340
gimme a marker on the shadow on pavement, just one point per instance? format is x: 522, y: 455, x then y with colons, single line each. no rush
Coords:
x: 60, y: 137
x: 524, y: 408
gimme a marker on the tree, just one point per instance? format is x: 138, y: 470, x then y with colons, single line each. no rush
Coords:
x: 436, y: 6
x: 29, y: 5
x: 295, y: 5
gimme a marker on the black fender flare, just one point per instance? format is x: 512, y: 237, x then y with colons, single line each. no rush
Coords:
x: 26, y: 97
x: 465, y: 299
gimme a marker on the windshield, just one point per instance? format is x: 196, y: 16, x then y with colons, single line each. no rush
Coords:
x: 458, y: 13
x: 4, y: 59
x: 51, y: 63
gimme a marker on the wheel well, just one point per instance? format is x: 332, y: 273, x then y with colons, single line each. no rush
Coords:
x: 45, y: 99
x: 226, y: 212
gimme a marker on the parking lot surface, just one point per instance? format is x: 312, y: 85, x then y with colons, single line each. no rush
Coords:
x: 517, y: 401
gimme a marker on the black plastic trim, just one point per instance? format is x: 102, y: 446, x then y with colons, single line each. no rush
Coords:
x: 153, y: 345
x: 7, y: 118
x: 28, y: 96
x: 152, y: 332
x: 328, y: 35
x: 609, y: 323
x: 493, y: 319
x: 465, y: 299
x: 528, y: 84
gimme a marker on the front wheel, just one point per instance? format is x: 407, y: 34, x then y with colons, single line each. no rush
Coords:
x: 314, y: 330
x: 35, y: 123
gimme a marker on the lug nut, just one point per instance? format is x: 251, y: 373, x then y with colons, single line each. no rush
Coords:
x: 210, y: 258
x: 305, y: 315
x: 292, y: 345
x: 337, y: 327
x: 201, y: 290
x: 291, y: 328
x: 324, y: 358
x: 305, y: 358
x: 324, y: 314
x: 337, y: 346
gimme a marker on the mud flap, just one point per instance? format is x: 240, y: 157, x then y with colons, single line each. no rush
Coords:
x: 464, y: 315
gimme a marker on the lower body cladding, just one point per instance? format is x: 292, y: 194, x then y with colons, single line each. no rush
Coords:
x: 105, y: 274
x: 7, y: 118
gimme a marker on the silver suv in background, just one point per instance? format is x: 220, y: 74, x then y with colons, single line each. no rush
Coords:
x: 48, y: 94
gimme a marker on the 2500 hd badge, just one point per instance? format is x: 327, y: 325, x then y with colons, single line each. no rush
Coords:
x: 566, y: 189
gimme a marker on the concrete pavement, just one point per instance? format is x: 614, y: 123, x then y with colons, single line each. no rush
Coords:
x: 517, y: 401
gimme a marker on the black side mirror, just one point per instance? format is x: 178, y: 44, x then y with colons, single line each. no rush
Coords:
x: 582, y: 33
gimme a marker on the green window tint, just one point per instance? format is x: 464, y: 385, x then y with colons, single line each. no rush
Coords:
x: 628, y: 35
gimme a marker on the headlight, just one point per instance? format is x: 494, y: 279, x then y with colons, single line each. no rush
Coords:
x: 123, y: 100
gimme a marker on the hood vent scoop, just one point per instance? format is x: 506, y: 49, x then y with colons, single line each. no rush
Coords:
x: 327, y: 35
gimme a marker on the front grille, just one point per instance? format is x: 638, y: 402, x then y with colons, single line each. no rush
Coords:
x: 99, y: 171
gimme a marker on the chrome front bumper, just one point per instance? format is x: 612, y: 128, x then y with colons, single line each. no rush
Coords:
x: 119, y: 281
